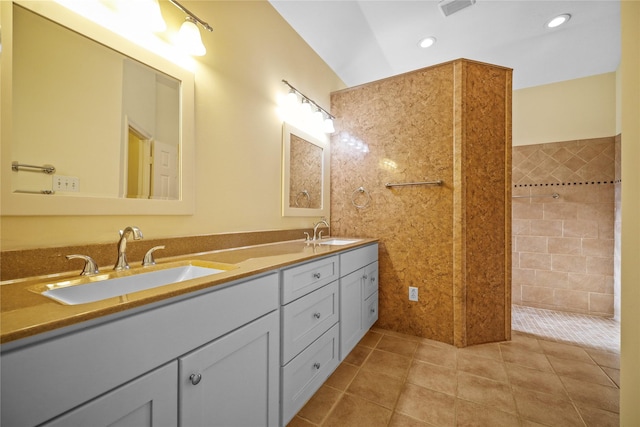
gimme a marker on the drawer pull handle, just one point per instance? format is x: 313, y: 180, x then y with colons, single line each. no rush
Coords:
x: 364, y: 277
x: 316, y: 365
x: 316, y: 315
x: 373, y: 279
x: 316, y: 275
x: 373, y: 310
x: 195, y: 378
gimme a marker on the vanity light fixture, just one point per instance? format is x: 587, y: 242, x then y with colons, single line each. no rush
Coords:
x: 307, y: 102
x: 558, y: 20
x: 189, y: 35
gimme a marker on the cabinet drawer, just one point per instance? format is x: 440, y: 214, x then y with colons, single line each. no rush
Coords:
x: 370, y: 311
x: 302, y: 377
x: 357, y: 258
x: 370, y: 279
x: 300, y: 280
x: 305, y: 319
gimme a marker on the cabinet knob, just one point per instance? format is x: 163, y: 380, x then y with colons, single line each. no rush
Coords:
x: 373, y: 310
x: 195, y: 378
x: 373, y: 279
x: 316, y: 365
x: 316, y: 315
x: 364, y: 277
x: 316, y: 275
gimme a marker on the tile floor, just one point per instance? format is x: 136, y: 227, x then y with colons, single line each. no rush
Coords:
x: 392, y: 379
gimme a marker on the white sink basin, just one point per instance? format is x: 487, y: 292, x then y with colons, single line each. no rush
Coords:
x: 103, y: 286
x: 338, y: 241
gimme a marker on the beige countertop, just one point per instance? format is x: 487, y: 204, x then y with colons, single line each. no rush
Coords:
x: 25, y: 313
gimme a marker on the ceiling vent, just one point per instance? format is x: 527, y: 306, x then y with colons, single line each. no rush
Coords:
x: 449, y: 7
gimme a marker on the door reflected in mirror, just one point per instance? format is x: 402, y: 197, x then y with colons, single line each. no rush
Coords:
x: 305, y: 173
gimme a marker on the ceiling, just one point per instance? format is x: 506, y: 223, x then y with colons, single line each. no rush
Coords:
x: 367, y: 40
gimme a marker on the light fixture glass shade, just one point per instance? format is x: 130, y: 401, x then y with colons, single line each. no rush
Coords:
x: 189, y: 39
x: 328, y: 125
x: 143, y: 14
x: 305, y: 107
x: 154, y: 16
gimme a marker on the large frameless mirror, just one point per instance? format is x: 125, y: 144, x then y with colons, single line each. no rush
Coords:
x: 113, y: 119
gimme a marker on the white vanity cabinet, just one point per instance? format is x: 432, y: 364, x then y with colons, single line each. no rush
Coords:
x: 358, y: 295
x: 310, y: 331
x: 131, y: 370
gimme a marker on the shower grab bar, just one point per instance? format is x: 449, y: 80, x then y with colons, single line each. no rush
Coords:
x: 554, y: 195
x: 15, y: 166
x: 404, y: 184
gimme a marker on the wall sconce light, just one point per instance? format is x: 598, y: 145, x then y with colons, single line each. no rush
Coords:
x: 189, y: 35
x: 321, y: 115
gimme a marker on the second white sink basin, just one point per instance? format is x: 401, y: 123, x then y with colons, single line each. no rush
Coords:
x: 103, y: 286
x: 338, y: 241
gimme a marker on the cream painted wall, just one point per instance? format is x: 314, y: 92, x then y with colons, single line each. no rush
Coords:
x: 238, y: 132
x: 564, y: 111
x: 630, y: 315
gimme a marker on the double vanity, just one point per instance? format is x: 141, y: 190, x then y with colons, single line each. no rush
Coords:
x: 246, y: 345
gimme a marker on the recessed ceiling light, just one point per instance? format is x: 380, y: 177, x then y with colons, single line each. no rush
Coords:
x: 427, y: 42
x: 558, y: 20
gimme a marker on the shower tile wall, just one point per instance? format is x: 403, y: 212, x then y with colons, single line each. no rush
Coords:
x: 449, y: 122
x: 563, y: 255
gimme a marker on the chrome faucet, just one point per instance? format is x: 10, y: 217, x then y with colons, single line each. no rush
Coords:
x: 317, y: 236
x: 121, y: 263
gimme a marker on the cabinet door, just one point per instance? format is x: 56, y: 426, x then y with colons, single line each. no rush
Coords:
x: 351, y: 300
x: 370, y: 311
x: 233, y: 381
x: 150, y: 400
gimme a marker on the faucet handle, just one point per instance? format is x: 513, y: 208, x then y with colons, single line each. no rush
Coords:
x: 148, y: 257
x: 320, y: 234
x: 307, y: 237
x: 90, y: 266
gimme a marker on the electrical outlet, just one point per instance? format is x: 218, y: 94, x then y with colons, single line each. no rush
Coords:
x: 66, y: 183
x: 413, y: 293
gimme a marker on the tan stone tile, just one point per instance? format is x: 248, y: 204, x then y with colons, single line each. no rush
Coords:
x: 545, y: 408
x: 525, y: 358
x: 546, y: 227
x: 370, y: 339
x: 532, y: 379
x: 560, y: 211
x: 565, y: 245
x: 531, y: 244
x: 535, y: 261
x: 358, y: 355
x: 355, y: 412
x: 434, y: 377
x: 568, y: 263
x: 594, y: 417
x: 537, y: 294
x: 397, y: 345
x: 300, y: 422
x: 488, y: 351
x: 588, y: 372
x: 613, y: 373
x: 555, y: 279
x: 596, y: 265
x: 565, y: 351
x: 443, y: 356
x: 592, y: 395
x: 523, y: 276
x: 403, y: 336
x: 522, y: 342
x: 601, y: 303
x: 471, y: 414
x: 597, y: 247
x: 391, y: 364
x: 480, y: 366
x: 604, y: 358
x: 572, y: 300
x: 378, y: 388
x: 317, y: 408
x: 520, y: 211
x: 342, y: 376
x: 580, y: 228
x: 485, y: 392
x: 589, y: 282
x: 427, y: 405
x: 401, y: 420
